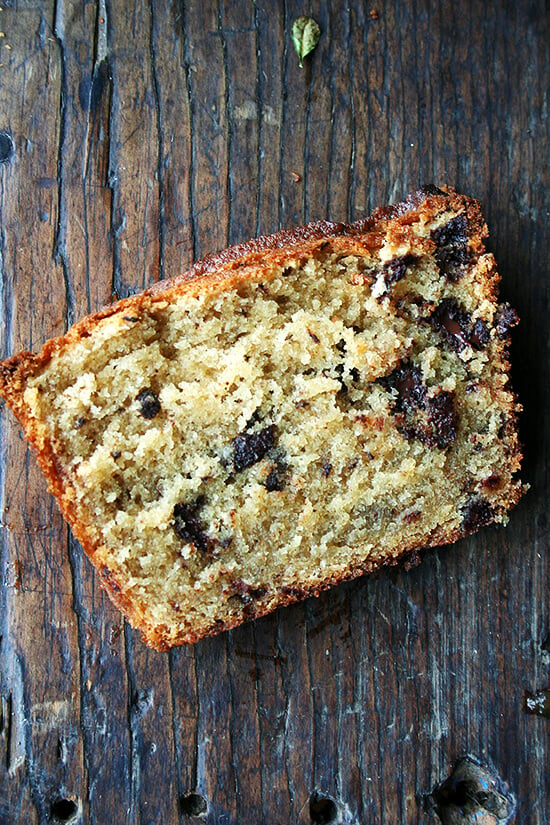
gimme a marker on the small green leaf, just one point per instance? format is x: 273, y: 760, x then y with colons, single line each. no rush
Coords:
x: 305, y: 36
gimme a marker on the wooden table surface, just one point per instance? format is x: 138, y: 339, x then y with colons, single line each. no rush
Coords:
x: 136, y: 137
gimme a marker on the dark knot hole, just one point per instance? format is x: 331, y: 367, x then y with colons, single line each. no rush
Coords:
x: 193, y: 804
x: 322, y: 810
x: 64, y: 810
x: 7, y: 147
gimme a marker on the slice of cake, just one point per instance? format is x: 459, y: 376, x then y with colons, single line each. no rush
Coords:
x: 290, y: 413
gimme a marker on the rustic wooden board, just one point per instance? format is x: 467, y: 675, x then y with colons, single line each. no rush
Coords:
x: 146, y: 134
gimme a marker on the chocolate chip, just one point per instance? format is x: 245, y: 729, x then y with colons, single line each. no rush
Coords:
x: 451, y: 241
x: 326, y: 470
x: 247, y: 592
x: 430, y: 418
x: 251, y: 447
x: 79, y: 423
x: 452, y: 233
x: 454, y: 324
x: 248, y: 595
x: 479, y: 335
x: 150, y: 404
x: 476, y: 513
x: 395, y: 269
x: 507, y: 318
x: 407, y: 380
x: 189, y: 527
x: 442, y: 420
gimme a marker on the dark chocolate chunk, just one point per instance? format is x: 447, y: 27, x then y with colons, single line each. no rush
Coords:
x: 188, y: 525
x: 247, y: 592
x: 451, y: 260
x: 326, y: 469
x: 248, y: 595
x: 506, y: 319
x: 407, y: 380
x: 452, y: 233
x: 432, y: 419
x: 479, y: 334
x: 442, y: 419
x: 149, y: 401
x: 454, y: 324
x: 451, y: 241
x: 251, y: 447
x: 395, y: 269
x: 476, y: 513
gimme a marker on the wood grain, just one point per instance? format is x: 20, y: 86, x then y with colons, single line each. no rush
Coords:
x: 145, y: 135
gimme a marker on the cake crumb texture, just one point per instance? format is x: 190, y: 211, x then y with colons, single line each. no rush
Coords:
x: 291, y: 413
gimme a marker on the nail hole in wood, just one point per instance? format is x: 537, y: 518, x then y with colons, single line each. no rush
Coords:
x: 64, y: 810
x: 194, y: 804
x: 7, y: 147
x: 322, y: 810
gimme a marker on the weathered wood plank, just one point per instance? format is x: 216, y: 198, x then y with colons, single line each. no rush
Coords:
x: 44, y: 750
x: 134, y: 150
x: 207, y: 89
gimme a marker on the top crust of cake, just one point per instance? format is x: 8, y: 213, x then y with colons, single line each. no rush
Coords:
x: 427, y: 346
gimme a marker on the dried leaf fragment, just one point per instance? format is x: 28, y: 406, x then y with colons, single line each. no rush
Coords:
x: 305, y: 36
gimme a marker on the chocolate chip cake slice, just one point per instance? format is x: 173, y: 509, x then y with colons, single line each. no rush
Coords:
x: 295, y: 411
